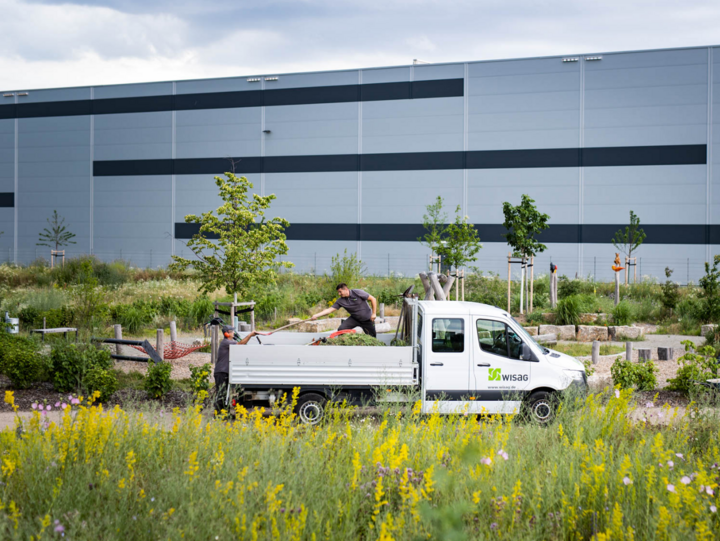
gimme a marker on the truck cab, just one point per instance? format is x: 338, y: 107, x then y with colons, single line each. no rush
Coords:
x: 462, y: 357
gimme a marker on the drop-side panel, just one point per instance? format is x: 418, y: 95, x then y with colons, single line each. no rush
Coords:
x: 326, y: 365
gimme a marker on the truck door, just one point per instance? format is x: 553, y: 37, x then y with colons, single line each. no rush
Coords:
x: 500, y: 376
x: 446, y: 364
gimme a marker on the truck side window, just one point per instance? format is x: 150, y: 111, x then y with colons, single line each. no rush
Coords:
x: 492, y: 337
x: 448, y: 335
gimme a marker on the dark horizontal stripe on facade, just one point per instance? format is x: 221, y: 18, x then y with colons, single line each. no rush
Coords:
x: 413, y: 161
x: 7, y: 199
x: 442, y: 88
x: 557, y: 233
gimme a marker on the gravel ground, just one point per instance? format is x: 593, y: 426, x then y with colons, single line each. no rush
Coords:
x: 180, y: 370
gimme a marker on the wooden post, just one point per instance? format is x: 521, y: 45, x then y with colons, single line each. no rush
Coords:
x: 159, y: 344
x: 44, y: 326
x: 213, y: 344
x: 118, y: 335
x: 627, y: 260
x: 457, y: 285
x: 617, y: 288
x: 173, y: 331
x: 252, y: 317
x: 522, y: 285
x: 595, y: 352
x: 532, y: 282
x: 509, y: 271
x: 463, y: 285
x: 628, y: 351
x: 381, y: 310
x: 232, y: 311
x: 635, y: 270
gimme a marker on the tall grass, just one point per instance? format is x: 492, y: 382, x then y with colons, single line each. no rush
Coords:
x: 594, y: 474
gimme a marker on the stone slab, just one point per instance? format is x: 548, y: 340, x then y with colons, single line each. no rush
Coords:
x: 707, y: 329
x: 620, y: 332
x: 590, y: 333
x: 563, y: 332
x: 532, y: 331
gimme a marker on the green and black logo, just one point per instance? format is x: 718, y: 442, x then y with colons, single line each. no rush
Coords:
x: 494, y: 374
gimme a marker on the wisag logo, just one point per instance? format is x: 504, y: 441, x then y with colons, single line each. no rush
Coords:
x: 495, y: 375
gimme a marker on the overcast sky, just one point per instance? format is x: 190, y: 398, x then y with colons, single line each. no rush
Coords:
x: 48, y: 43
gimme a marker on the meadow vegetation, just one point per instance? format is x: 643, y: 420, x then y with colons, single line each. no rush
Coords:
x: 593, y: 474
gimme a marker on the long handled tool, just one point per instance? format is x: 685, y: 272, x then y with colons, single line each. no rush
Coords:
x: 280, y: 328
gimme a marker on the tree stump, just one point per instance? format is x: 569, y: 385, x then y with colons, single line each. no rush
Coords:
x: 665, y: 354
x: 644, y: 354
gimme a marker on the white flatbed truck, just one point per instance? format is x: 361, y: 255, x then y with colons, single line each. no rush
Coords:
x: 462, y: 356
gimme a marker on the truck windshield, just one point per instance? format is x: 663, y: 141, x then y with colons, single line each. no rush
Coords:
x: 527, y: 338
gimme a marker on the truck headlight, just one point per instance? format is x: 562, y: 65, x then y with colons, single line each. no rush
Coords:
x: 575, y: 375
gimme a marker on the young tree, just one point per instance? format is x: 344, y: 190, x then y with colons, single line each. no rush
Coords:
x: 460, y: 242
x: 629, y: 241
x: 57, y: 235
x: 237, y: 247
x: 434, y: 221
x: 523, y: 222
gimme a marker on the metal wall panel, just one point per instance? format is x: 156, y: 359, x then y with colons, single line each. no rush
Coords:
x: 311, y: 255
x: 230, y: 84
x: 714, y: 143
x: 300, y: 80
x: 7, y: 156
x: 218, y: 132
x: 413, y: 126
x: 428, y: 72
x: 385, y: 75
x: 7, y: 239
x: 669, y: 194
x: 555, y: 191
x: 402, y: 196
x: 330, y: 128
x: 313, y: 197
x: 129, y: 136
x: 195, y: 194
x: 132, y: 90
x: 55, y: 94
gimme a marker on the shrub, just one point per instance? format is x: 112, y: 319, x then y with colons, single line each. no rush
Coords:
x: 344, y: 268
x: 567, y: 311
x: 622, y: 313
x: 133, y: 319
x: 158, y: 381
x: 102, y: 380
x: 201, y: 311
x: 535, y: 318
x: 670, y: 295
x: 200, y: 381
x: 627, y: 374
x: 21, y: 361
x: 710, y: 284
x: 696, y: 365
x: 70, y: 364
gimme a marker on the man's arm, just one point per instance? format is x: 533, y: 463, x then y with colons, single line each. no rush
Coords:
x: 373, y: 301
x: 323, y: 313
x: 247, y: 338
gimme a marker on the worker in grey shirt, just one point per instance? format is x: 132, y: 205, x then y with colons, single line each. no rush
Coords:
x: 355, y: 301
x: 222, y: 366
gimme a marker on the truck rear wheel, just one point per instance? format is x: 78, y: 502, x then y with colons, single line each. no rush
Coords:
x: 311, y: 408
x: 540, y: 407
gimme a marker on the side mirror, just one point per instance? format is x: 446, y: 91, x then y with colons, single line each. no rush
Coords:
x: 526, y: 353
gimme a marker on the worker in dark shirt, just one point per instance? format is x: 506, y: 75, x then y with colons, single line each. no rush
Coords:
x: 222, y: 366
x: 355, y: 301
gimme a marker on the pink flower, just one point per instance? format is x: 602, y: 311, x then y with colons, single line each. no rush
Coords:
x: 49, y: 407
x: 617, y: 393
x: 57, y: 404
x: 487, y: 461
x: 671, y: 488
x: 671, y: 464
x: 679, y: 455
x: 63, y: 405
x: 685, y: 480
x: 713, y: 509
x: 503, y: 454
x: 649, y: 405
x: 75, y: 401
x: 34, y: 405
x: 627, y: 481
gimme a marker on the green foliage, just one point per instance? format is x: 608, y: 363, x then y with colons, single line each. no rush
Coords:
x: 460, y: 242
x: 710, y: 292
x: 351, y: 339
x: 21, y: 361
x: 346, y: 269
x: 627, y: 374
x: 89, y: 298
x: 622, y: 314
x: 567, y: 311
x: 200, y: 380
x: 101, y: 380
x: 698, y: 364
x: 70, y: 364
x: 201, y: 310
x: 632, y: 238
x: 158, y: 381
x: 57, y: 235
x: 434, y: 221
x: 670, y: 293
x: 523, y: 223
x: 247, y: 247
x: 535, y: 318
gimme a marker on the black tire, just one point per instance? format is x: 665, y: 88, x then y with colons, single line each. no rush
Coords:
x: 311, y: 408
x: 541, y: 407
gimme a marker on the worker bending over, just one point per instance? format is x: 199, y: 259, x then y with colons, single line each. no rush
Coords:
x: 355, y: 301
x: 222, y: 367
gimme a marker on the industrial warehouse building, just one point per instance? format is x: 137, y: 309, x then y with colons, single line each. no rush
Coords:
x: 355, y: 156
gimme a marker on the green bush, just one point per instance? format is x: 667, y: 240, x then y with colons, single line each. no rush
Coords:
x: 201, y: 311
x: 200, y: 380
x: 535, y: 318
x: 21, y: 361
x: 158, y: 381
x: 622, y: 313
x: 102, y: 380
x: 70, y: 364
x: 698, y: 364
x: 567, y: 311
x: 627, y: 374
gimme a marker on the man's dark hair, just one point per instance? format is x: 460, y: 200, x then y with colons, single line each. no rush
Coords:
x: 341, y: 285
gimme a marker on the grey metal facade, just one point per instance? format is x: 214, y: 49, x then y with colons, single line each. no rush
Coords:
x: 355, y: 156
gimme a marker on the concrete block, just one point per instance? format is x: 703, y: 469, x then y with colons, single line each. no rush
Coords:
x: 590, y: 333
x: 707, y: 329
x: 532, y: 331
x: 644, y: 354
x: 563, y: 332
x: 665, y: 354
x: 546, y: 339
x: 620, y: 332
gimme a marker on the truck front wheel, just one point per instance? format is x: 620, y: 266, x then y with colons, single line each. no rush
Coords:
x: 540, y: 407
x: 311, y: 408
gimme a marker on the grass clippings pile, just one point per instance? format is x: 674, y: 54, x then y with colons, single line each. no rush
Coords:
x: 352, y: 340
